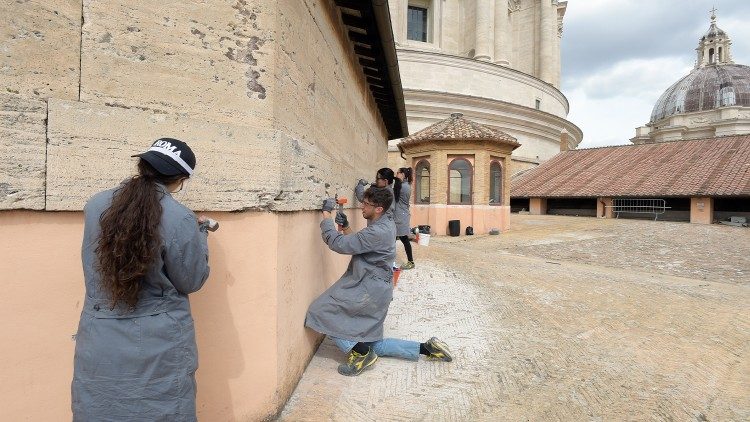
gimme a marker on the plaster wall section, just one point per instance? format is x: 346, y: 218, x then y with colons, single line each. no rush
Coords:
x: 235, y: 316
x: 212, y: 60
x: 52, y: 31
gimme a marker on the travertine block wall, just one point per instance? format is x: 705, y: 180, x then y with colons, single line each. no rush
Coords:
x: 40, y: 48
x: 214, y: 59
x: 267, y: 92
x: 22, y: 152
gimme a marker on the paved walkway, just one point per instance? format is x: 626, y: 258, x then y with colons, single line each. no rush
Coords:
x: 562, y: 318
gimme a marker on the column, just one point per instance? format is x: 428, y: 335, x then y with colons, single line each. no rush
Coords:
x: 701, y: 210
x: 538, y: 206
x: 547, y: 34
x: 502, y: 33
x: 485, y: 34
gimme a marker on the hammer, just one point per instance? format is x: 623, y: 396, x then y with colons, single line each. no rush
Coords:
x: 341, y: 201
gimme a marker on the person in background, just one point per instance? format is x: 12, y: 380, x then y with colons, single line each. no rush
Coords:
x: 353, y: 309
x: 143, y: 253
x: 383, y: 179
x: 402, y: 195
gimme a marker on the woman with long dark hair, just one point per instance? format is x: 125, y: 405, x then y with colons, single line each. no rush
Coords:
x: 402, y: 195
x: 143, y: 253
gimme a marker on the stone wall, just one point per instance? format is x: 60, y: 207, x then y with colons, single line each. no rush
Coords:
x: 268, y: 93
x: 272, y: 100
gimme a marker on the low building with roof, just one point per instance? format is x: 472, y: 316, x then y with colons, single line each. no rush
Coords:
x: 701, y: 181
x: 461, y: 173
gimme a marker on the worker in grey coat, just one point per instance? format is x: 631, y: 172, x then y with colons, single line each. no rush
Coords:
x: 143, y: 253
x: 353, y: 309
x: 383, y: 179
x: 402, y: 215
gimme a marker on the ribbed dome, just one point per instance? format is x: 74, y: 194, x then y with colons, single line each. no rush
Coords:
x: 705, y: 88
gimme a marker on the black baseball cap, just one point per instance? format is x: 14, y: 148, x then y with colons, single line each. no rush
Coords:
x: 170, y: 157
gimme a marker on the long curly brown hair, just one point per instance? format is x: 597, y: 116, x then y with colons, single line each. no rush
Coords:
x: 129, y: 240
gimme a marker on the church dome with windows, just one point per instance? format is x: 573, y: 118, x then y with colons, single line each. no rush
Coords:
x: 705, y: 88
x: 712, y: 100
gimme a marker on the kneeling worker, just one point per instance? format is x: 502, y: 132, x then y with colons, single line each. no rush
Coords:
x: 353, y: 310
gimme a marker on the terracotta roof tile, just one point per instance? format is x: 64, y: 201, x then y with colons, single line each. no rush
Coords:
x: 704, y: 167
x: 457, y: 127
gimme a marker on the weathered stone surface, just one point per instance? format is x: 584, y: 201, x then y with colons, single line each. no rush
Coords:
x: 40, y: 44
x: 238, y: 167
x: 322, y: 104
x: 90, y: 148
x: 212, y: 59
x: 22, y: 152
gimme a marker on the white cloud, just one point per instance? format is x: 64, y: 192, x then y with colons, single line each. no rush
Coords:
x: 608, y: 105
x: 642, y: 78
x: 607, y: 121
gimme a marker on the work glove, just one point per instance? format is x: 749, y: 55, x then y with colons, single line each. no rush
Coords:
x: 328, y: 205
x: 363, y: 182
x: 341, y: 219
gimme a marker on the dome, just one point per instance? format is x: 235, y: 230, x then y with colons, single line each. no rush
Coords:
x: 705, y: 88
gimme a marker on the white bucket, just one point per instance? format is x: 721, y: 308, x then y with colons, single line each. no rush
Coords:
x: 424, y: 239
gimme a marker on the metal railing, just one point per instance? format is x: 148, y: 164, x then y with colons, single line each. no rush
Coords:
x: 639, y: 206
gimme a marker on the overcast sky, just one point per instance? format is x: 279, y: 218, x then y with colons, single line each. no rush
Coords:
x: 619, y: 56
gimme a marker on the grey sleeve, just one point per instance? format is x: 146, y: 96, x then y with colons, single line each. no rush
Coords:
x: 359, y: 192
x: 347, y: 244
x: 186, y: 256
x: 405, y: 193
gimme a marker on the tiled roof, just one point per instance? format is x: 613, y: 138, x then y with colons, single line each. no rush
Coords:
x: 704, y: 167
x: 456, y: 128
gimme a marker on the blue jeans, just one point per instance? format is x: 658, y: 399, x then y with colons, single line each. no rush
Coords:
x: 404, y: 349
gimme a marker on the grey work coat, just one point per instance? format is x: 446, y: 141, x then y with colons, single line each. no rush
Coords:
x: 140, y: 365
x: 355, y: 307
x: 401, y: 212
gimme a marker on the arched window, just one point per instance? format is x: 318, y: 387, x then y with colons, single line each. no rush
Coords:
x: 422, y: 182
x: 496, y: 183
x: 710, y: 55
x: 459, y: 182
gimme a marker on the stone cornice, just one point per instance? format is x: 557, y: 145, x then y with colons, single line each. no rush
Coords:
x: 536, y: 119
x: 450, y: 60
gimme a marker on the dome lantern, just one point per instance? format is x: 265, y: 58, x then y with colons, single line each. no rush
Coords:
x: 714, y: 47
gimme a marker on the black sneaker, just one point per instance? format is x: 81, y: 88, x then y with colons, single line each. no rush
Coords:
x: 357, y: 363
x: 438, y: 350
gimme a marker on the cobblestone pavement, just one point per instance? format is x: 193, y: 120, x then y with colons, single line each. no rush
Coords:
x: 562, y: 318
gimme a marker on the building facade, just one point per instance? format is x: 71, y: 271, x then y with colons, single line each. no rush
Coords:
x: 461, y: 175
x: 712, y: 100
x: 495, y: 61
